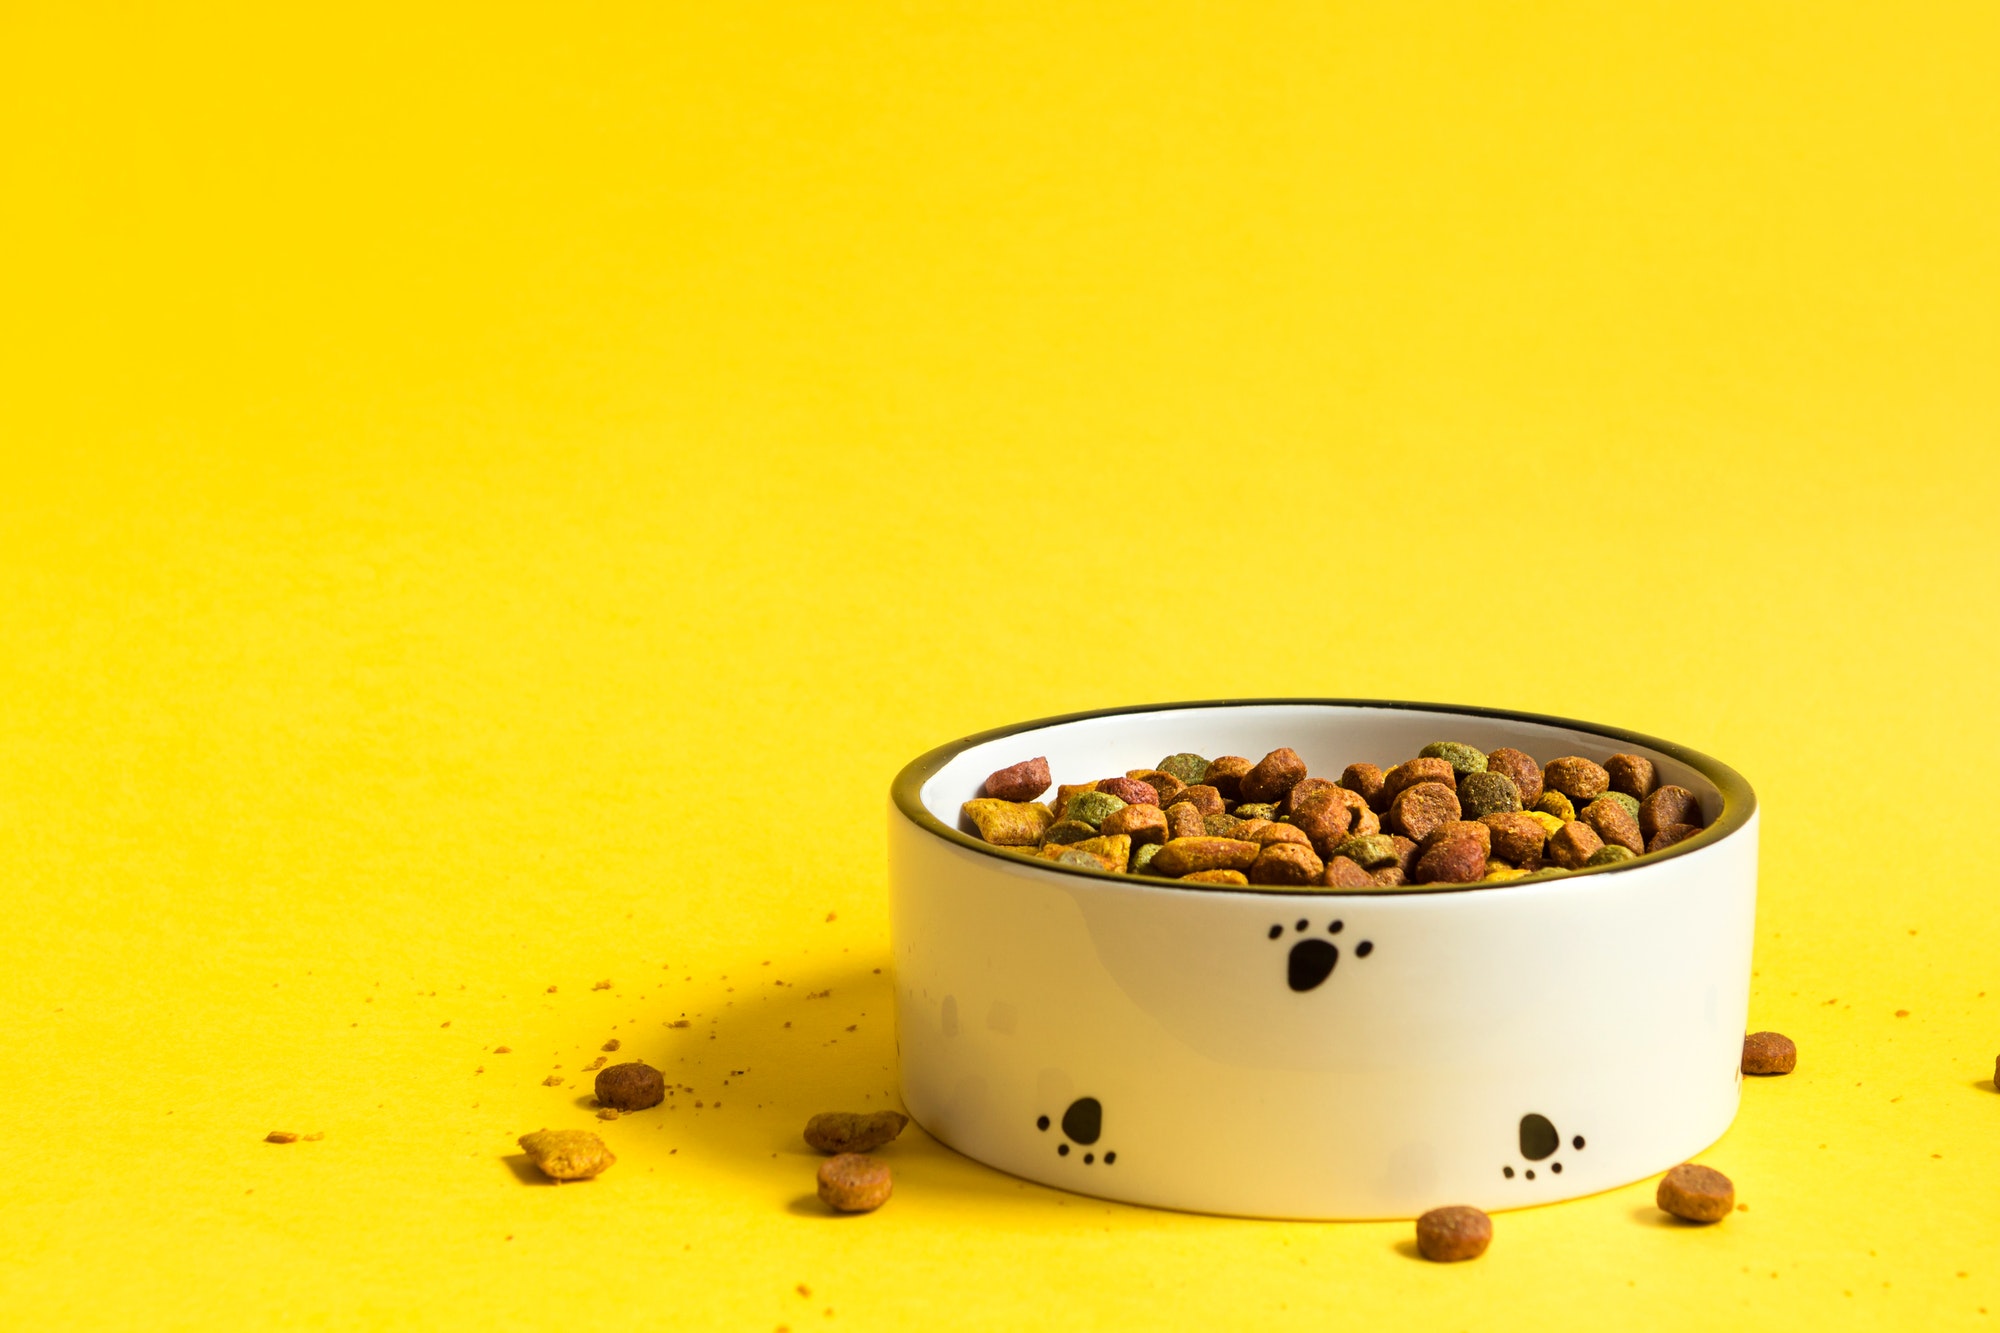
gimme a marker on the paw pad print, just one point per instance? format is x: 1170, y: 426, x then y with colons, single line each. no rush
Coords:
x: 1083, y: 1124
x: 1540, y: 1141
x: 1312, y: 959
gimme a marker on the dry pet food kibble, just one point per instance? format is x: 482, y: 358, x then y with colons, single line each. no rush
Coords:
x: 631, y: 1087
x: 1696, y: 1193
x: 854, y: 1183
x: 567, y: 1154
x: 1450, y: 815
x: 853, y: 1131
x: 1448, y: 1235
x: 1769, y: 1053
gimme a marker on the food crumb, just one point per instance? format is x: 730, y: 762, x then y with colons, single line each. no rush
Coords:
x: 602, y: 985
x: 819, y: 994
x: 552, y: 1081
x: 503, y: 1050
x: 830, y: 916
x: 552, y: 990
x: 611, y: 1045
x: 852, y: 1026
x: 1902, y: 1013
x: 445, y: 1024
x: 598, y: 1063
x: 314, y: 1137
x: 480, y: 1070
x: 606, y: 1113
x: 806, y: 1291
x: 679, y: 1023
x: 281, y: 1136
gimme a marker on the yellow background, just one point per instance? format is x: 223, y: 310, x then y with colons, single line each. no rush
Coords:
x: 491, y: 497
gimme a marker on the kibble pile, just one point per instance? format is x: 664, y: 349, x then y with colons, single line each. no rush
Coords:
x: 1452, y: 815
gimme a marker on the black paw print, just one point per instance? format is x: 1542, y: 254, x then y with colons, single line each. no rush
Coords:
x: 1083, y: 1122
x: 1539, y: 1142
x: 1312, y: 959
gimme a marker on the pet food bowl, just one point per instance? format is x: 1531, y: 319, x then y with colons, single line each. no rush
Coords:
x: 1501, y: 1046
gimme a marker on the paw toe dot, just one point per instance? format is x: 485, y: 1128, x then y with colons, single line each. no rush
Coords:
x: 1363, y: 949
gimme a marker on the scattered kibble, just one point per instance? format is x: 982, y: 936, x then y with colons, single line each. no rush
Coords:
x: 854, y: 1131
x: 854, y: 1183
x: 1450, y: 1235
x: 567, y: 1154
x: 1696, y: 1193
x: 633, y: 1086
x: 1769, y: 1053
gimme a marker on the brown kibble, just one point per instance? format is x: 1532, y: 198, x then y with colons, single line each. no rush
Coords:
x: 1301, y: 789
x: 854, y: 1183
x: 1365, y: 781
x: 1413, y: 771
x: 1184, y: 820
x: 1275, y: 774
x: 1696, y: 1193
x: 1670, y: 835
x: 1130, y: 790
x: 1325, y: 818
x: 1140, y: 823
x: 1571, y: 845
x: 1614, y: 824
x: 1449, y: 1235
x: 1454, y: 859
x: 1202, y: 797
x: 1577, y: 778
x: 1460, y: 828
x: 1287, y: 863
x: 1343, y: 873
x: 1271, y: 833
x: 1025, y: 781
x: 281, y: 1136
x: 1769, y: 1053
x: 1522, y: 768
x: 1246, y: 829
x: 1009, y: 823
x: 1392, y: 877
x: 1186, y: 856
x: 1632, y: 774
x: 854, y: 1131
x: 1668, y: 805
x: 567, y: 1154
x: 1366, y: 823
x: 1232, y: 877
x: 1517, y: 839
x: 633, y: 1086
x: 1226, y: 775
x: 611, y: 1045
x: 1166, y: 784
x: 1418, y: 809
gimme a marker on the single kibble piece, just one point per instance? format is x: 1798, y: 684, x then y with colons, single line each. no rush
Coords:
x: 1275, y: 774
x: 1696, y: 1193
x: 1115, y: 848
x: 854, y: 1131
x: 1271, y: 833
x: 1187, y: 856
x: 1610, y: 854
x: 1067, y: 830
x: 1024, y: 781
x: 1464, y: 760
x: 1522, y: 768
x: 1343, y: 873
x: 1009, y: 823
x: 1448, y: 1235
x: 566, y: 1154
x: 1454, y: 859
x: 1131, y: 791
x: 1234, y: 877
x: 632, y: 1086
x: 1084, y: 855
x: 1668, y: 805
x: 1419, y: 809
x: 1256, y: 810
x: 1462, y: 828
x: 1303, y: 788
x: 1142, y: 856
x: 1577, y: 778
x: 1184, y: 820
x: 1366, y: 821
x: 1557, y: 804
x: 1226, y: 775
x: 1372, y: 851
x: 1671, y: 834
x: 1497, y: 872
x: 1769, y: 1053
x: 1287, y: 864
x: 1517, y: 838
x: 1220, y: 826
x: 1091, y: 807
x: 1324, y: 818
x: 1391, y: 877
x: 1166, y: 784
x: 1406, y: 853
x: 1630, y: 803
x: 854, y: 1183
x: 1202, y: 797
x: 1247, y: 830
x: 1610, y: 821
x: 1482, y: 794
x: 1412, y: 771
x: 1632, y: 774
x: 1141, y: 823
x: 1571, y: 845
x: 1365, y: 781
x: 1187, y: 767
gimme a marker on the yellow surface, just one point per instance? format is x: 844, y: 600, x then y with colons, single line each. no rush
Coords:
x: 490, y: 499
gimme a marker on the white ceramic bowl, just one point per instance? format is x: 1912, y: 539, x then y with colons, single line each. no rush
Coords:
x: 1499, y: 1046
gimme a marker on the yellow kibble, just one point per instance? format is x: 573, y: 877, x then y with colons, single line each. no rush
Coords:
x: 1009, y: 823
x: 1546, y: 820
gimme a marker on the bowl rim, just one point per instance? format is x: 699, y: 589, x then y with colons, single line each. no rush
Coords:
x: 1739, y: 802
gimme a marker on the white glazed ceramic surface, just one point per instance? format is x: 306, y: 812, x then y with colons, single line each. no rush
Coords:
x: 1498, y: 1046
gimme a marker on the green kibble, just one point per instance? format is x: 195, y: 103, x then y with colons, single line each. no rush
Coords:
x: 1487, y: 794
x: 1631, y: 805
x: 1255, y: 812
x: 1557, y: 804
x: 1187, y: 767
x: 1371, y: 852
x: 1220, y: 826
x: 1465, y: 760
x: 1067, y: 831
x: 1145, y: 853
x: 1610, y: 854
x: 1091, y: 807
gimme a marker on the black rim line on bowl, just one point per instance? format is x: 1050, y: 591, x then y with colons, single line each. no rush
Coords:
x: 1738, y: 801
